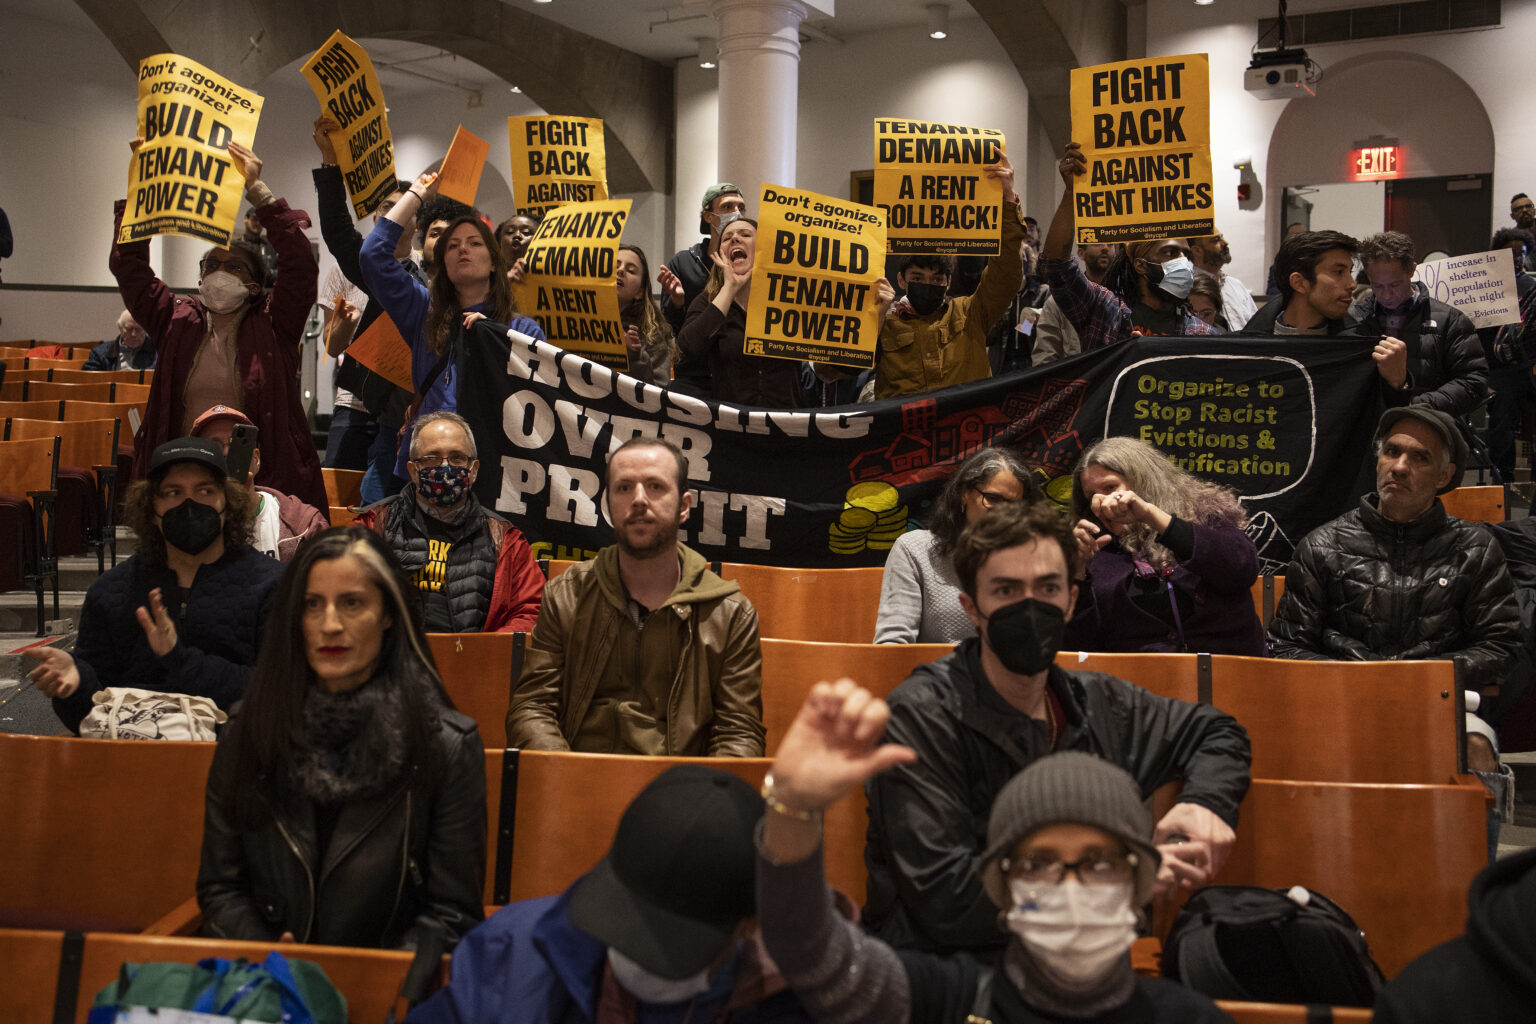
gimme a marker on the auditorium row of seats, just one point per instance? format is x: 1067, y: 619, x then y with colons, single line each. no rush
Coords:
x: 1366, y: 806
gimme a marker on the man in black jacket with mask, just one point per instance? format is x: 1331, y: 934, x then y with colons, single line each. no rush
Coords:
x: 980, y: 715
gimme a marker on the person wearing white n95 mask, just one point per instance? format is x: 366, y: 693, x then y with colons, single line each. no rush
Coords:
x: 1068, y: 858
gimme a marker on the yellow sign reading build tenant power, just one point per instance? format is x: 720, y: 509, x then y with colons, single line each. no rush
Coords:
x: 813, y: 279
x: 347, y: 87
x: 931, y: 181
x: 568, y: 284
x: 1145, y: 128
x: 182, y: 180
x: 557, y: 160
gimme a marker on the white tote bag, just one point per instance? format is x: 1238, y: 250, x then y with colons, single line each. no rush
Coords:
x: 124, y: 713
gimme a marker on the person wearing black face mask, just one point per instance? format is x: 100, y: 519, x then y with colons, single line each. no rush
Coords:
x: 1144, y: 289
x: 184, y: 614
x: 999, y: 703
x: 472, y: 569
x: 929, y: 339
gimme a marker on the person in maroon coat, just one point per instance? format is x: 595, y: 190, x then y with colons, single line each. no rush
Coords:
x: 1167, y: 564
x: 237, y: 343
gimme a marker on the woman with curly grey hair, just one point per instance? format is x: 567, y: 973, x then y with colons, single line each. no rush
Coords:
x: 919, y: 592
x: 1167, y: 565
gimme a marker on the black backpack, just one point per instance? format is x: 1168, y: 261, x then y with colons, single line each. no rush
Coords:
x: 1271, y: 946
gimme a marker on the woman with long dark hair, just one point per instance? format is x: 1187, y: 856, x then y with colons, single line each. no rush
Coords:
x: 716, y: 327
x: 1168, y: 565
x: 647, y: 336
x: 346, y: 802
x: 920, y: 591
x: 470, y: 278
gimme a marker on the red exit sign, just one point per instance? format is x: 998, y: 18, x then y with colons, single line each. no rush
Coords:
x: 1375, y: 163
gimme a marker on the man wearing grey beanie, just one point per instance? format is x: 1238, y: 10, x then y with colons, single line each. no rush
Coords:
x: 1068, y: 858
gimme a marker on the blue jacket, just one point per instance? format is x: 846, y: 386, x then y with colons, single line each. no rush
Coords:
x: 406, y: 300
x: 528, y: 964
x: 105, y: 355
x: 218, y: 626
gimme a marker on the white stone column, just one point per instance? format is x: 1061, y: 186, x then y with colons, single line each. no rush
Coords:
x: 759, y: 89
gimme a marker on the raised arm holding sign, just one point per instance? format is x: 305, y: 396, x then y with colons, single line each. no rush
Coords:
x: 345, y: 83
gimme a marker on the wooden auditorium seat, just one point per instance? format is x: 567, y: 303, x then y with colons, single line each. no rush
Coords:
x: 1267, y: 591
x: 567, y: 807
x: 1283, y: 1013
x: 1480, y: 504
x: 1167, y: 675
x: 1346, y: 721
x: 479, y: 671
x: 29, y: 478
x: 828, y: 605
x: 44, y: 390
x: 87, y: 447
x: 99, y: 834
x: 792, y: 667
x: 343, y: 487
x: 42, y: 410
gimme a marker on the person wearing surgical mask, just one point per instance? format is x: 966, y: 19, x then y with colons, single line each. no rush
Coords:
x: 185, y: 612
x: 662, y: 931
x: 1067, y: 859
x: 999, y: 703
x: 1145, y: 291
x: 236, y: 342
x: 473, y: 570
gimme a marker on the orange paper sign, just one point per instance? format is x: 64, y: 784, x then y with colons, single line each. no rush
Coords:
x: 460, y: 177
x: 384, y: 351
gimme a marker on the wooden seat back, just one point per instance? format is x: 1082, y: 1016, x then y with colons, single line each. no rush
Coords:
x: 100, y: 834
x: 1345, y: 721
x: 1167, y: 675
x: 28, y: 466
x: 131, y: 393
x: 479, y: 671
x: 31, y: 410
x: 74, y: 361
x: 341, y: 515
x: 14, y: 387
x: 83, y: 444
x: 97, y: 376
x: 1286, y: 1013
x: 568, y: 808
x: 827, y: 605
x: 31, y: 972
x: 1479, y: 504
x: 75, y: 409
x: 43, y: 390
x: 1267, y: 591
x: 343, y: 487
x: 555, y: 566
x: 792, y: 667
x: 1398, y: 859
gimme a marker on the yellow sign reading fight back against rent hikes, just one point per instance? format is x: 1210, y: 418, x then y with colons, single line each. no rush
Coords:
x: 931, y: 181
x: 182, y: 180
x: 557, y: 160
x: 347, y: 87
x: 568, y: 284
x: 1145, y: 129
x: 813, y: 280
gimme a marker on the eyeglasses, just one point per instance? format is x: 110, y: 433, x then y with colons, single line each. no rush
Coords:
x: 1094, y: 869
x: 433, y: 461
x: 235, y: 265
x: 992, y: 499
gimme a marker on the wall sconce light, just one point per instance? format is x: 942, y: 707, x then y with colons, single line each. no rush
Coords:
x: 706, y: 53
x: 938, y: 21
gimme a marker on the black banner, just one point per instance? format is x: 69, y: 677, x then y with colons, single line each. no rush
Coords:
x: 1286, y: 422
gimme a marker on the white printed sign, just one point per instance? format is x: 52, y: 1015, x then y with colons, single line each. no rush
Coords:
x: 1481, y: 285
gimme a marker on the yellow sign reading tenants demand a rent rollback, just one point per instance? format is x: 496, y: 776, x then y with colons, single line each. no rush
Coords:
x: 1145, y: 129
x: 568, y: 284
x: 182, y: 180
x: 813, y: 279
x: 557, y: 160
x: 931, y: 180
x: 348, y: 89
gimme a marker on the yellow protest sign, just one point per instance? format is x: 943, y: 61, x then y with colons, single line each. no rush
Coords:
x: 383, y: 350
x: 813, y: 279
x: 347, y: 87
x: 557, y: 160
x: 568, y: 284
x: 930, y: 179
x: 182, y: 180
x: 1145, y: 128
x: 459, y: 177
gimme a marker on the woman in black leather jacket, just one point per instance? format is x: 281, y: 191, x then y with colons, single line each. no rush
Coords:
x: 346, y: 802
